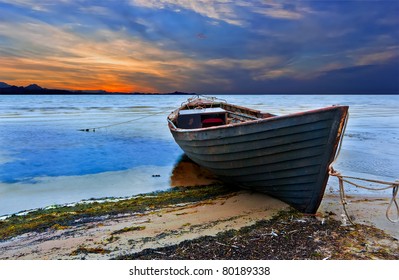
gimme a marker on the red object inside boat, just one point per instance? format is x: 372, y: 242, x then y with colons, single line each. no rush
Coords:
x: 212, y: 122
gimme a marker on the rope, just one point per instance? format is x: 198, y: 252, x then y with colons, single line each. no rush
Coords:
x: 393, y: 202
x: 341, y: 179
x: 391, y: 185
x: 93, y: 129
x: 199, y: 96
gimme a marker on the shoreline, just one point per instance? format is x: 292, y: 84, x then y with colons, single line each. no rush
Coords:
x: 186, y: 216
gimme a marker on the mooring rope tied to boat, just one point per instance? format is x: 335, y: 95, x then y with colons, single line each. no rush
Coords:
x: 342, y: 178
x: 93, y: 129
x: 391, y: 185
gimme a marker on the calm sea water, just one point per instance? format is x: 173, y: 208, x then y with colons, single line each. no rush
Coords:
x: 46, y: 160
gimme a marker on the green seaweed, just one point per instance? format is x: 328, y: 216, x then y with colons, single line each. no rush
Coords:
x: 65, y: 216
x: 84, y: 250
x: 112, y: 239
x: 128, y: 229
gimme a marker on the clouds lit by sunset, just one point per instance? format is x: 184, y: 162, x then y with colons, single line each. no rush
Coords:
x: 202, y: 46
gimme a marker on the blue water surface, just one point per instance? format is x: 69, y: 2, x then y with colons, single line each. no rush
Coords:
x: 48, y: 151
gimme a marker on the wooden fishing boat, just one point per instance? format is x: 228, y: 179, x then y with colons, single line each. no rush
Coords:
x: 287, y: 157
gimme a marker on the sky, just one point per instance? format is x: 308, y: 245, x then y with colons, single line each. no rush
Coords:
x: 203, y: 46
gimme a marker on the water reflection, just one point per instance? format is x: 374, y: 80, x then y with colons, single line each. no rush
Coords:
x: 187, y: 173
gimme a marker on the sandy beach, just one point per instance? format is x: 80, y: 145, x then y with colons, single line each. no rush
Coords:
x: 167, y: 226
x: 108, y: 237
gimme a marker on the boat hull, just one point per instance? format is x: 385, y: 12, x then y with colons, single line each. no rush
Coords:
x: 287, y: 157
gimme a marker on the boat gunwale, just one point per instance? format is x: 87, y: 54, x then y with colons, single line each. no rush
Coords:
x: 248, y: 122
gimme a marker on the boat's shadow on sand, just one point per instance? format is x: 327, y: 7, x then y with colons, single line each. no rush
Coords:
x: 187, y: 173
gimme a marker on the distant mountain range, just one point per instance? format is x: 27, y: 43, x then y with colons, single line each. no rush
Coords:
x: 4, y: 85
x: 36, y: 89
